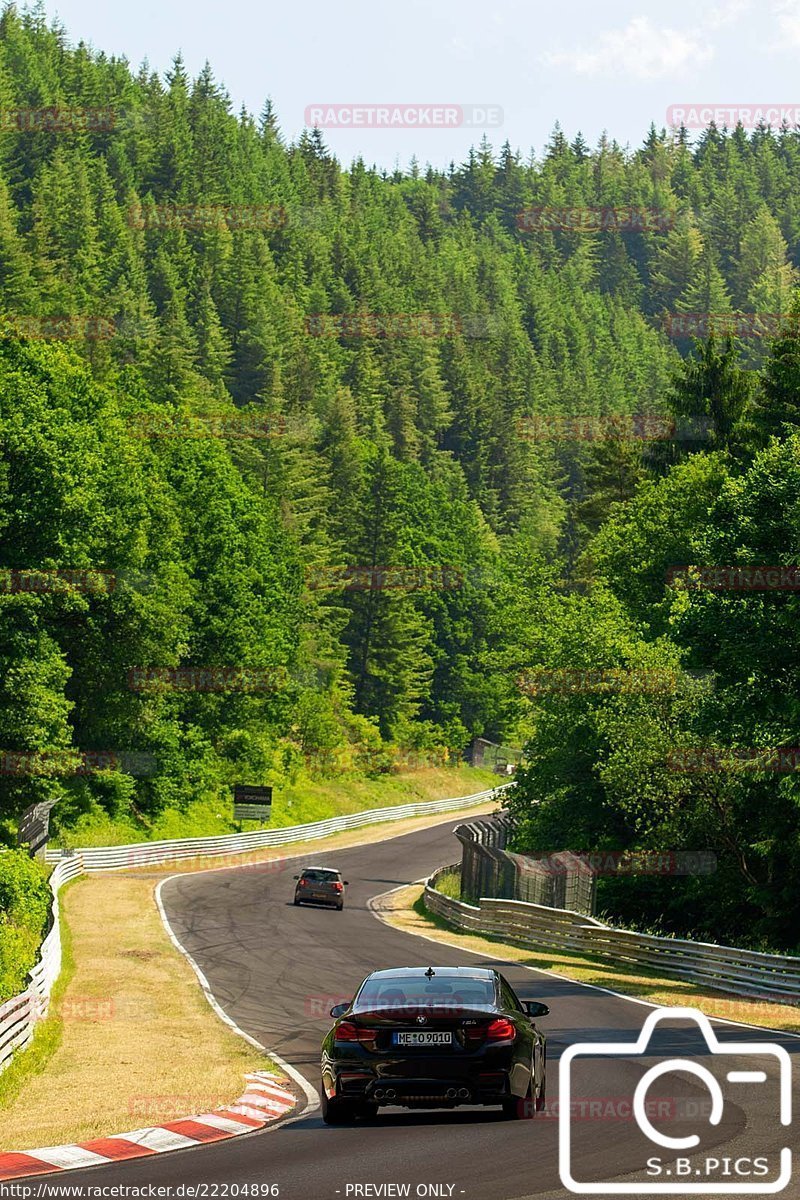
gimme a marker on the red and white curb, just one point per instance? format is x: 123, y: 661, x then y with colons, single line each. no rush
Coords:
x: 264, y: 1101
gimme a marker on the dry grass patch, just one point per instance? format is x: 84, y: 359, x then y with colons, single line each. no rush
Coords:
x: 139, y: 1044
x: 405, y: 909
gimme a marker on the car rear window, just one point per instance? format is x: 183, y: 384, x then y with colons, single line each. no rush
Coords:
x: 320, y: 876
x: 418, y: 993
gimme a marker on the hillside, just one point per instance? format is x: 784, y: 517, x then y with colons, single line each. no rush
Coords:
x: 305, y: 465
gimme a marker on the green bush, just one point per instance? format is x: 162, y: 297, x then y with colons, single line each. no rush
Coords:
x: 24, y: 909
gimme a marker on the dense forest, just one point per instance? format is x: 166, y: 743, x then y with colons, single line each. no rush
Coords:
x: 305, y: 465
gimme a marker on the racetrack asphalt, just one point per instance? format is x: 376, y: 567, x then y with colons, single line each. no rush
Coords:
x: 276, y: 969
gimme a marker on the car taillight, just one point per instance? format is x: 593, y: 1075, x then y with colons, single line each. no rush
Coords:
x: 348, y: 1032
x: 303, y: 883
x: 500, y: 1030
x: 338, y: 887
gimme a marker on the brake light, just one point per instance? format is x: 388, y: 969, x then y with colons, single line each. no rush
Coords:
x: 338, y: 887
x: 303, y: 883
x: 501, y: 1030
x: 348, y: 1032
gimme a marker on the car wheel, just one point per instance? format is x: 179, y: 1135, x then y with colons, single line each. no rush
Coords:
x: 521, y: 1108
x: 337, y: 1111
x: 339, y: 907
x: 297, y: 902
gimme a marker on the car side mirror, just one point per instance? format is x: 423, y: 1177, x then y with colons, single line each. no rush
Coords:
x: 347, y: 883
x: 297, y: 876
x: 534, y: 1009
x: 339, y: 1010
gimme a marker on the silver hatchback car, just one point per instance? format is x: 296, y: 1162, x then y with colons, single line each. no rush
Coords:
x: 320, y: 885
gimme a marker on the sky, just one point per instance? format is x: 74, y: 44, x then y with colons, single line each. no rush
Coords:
x: 436, y: 75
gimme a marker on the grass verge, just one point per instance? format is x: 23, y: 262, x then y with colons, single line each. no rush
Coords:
x: 47, y: 1034
x: 132, y: 1041
x: 406, y: 910
x: 299, y: 803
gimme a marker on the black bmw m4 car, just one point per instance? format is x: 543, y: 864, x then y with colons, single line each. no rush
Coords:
x: 433, y: 1037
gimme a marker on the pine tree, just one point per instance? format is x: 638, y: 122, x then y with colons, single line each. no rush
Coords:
x: 711, y: 388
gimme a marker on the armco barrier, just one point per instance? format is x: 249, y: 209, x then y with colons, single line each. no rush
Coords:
x: 104, y: 858
x: 18, y: 1016
x: 774, y: 977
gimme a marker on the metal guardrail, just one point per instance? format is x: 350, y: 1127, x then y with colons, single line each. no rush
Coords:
x: 773, y: 977
x: 489, y: 868
x: 105, y: 858
x: 19, y: 1015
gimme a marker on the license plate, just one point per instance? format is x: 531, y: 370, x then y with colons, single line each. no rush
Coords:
x: 427, y: 1038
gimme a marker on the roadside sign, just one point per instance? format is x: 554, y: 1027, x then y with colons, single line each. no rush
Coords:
x: 252, y: 803
x: 34, y: 828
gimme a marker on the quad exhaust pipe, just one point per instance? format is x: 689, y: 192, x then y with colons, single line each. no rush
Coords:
x: 452, y: 1093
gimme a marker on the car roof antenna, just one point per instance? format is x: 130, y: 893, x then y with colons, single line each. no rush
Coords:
x: 429, y: 974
